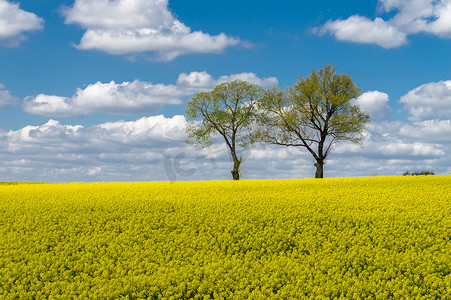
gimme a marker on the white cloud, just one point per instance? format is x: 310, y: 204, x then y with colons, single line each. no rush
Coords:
x: 441, y: 26
x: 431, y: 100
x: 374, y: 103
x: 205, y: 80
x: 437, y: 131
x: 6, y: 99
x: 196, y: 79
x: 137, y: 26
x: 94, y: 171
x: 14, y: 22
x: 250, y: 77
x: 156, y: 127
x: 111, y: 98
x: 362, y: 30
x: 415, y: 16
x: 135, y: 97
x: 50, y: 105
x: 401, y: 149
x: 409, y: 17
x: 383, y: 140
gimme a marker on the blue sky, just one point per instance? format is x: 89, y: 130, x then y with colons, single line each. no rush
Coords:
x: 95, y: 90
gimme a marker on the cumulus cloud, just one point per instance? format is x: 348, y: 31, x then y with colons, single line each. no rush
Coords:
x: 431, y: 100
x: 408, y: 17
x: 129, y: 27
x: 135, y: 97
x: 147, y: 128
x: 415, y: 16
x: 6, y: 99
x: 374, y: 103
x: 111, y: 98
x: 362, y: 30
x: 14, y: 22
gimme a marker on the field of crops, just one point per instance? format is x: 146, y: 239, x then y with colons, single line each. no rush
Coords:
x: 374, y: 238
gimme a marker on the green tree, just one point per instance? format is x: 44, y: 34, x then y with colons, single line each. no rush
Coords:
x: 228, y: 111
x: 315, y: 114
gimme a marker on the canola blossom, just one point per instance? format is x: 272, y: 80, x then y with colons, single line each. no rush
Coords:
x: 358, y: 238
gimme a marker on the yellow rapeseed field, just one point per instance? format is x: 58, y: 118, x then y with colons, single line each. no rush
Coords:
x: 356, y: 238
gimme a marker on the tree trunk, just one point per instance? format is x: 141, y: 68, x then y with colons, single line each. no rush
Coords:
x: 235, y: 174
x: 319, y: 169
x: 236, y: 167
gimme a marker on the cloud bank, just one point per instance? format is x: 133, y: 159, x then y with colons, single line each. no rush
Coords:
x: 408, y: 17
x: 14, y: 22
x: 135, y: 97
x: 139, y: 26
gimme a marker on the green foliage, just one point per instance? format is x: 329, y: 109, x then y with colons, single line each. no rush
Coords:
x: 419, y: 173
x: 354, y: 238
x: 228, y: 111
x: 315, y: 113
